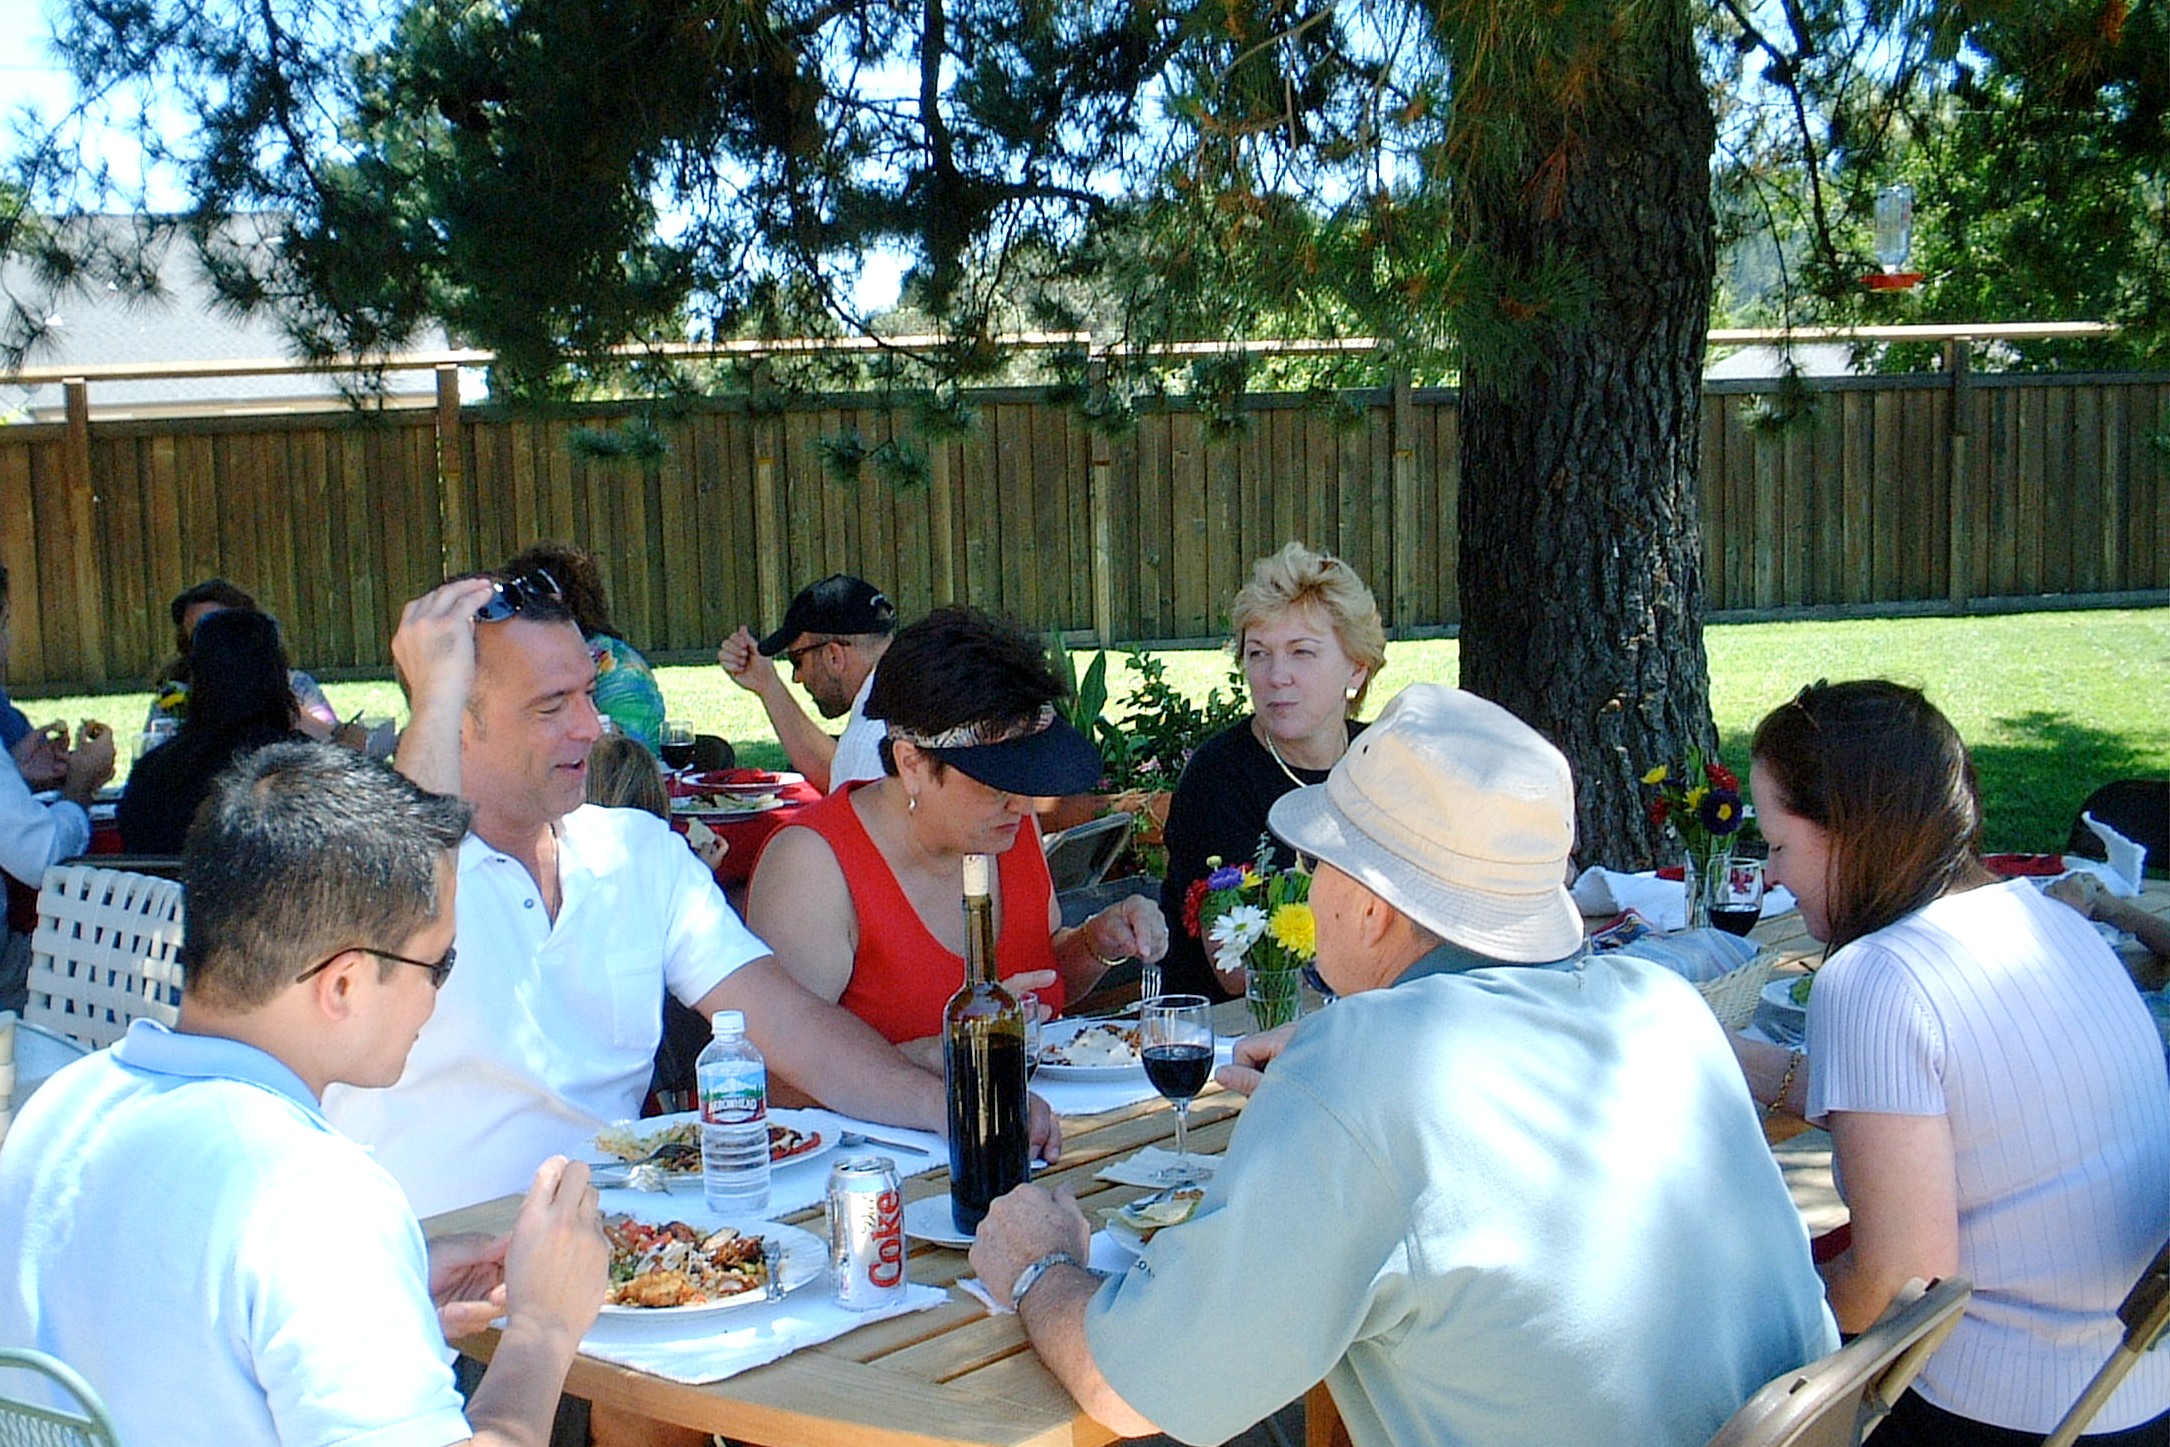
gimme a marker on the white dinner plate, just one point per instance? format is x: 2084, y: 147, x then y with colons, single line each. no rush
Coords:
x: 1058, y: 1032
x: 929, y: 1219
x: 612, y: 1172
x: 806, y: 1256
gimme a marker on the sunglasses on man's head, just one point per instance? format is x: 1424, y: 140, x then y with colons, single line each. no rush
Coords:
x: 519, y: 593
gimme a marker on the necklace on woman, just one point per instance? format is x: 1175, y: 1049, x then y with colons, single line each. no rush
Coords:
x: 1267, y: 737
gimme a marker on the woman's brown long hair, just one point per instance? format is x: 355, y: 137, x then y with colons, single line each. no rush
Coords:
x: 1886, y: 776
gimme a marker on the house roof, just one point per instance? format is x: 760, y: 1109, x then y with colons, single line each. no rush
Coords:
x: 100, y: 323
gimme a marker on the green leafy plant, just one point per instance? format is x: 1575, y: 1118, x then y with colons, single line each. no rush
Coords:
x: 1149, y: 742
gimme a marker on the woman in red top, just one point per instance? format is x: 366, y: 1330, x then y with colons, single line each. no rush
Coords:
x: 861, y: 896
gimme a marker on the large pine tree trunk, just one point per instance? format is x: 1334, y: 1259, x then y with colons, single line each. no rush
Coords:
x: 1581, y: 562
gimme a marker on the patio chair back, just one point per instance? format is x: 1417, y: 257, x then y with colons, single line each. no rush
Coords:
x: 106, y: 951
x: 25, y: 1420
x: 2139, y: 809
x: 2145, y: 1311
x: 1080, y: 857
x: 1835, y: 1400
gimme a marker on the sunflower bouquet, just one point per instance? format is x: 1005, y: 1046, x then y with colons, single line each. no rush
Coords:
x: 1259, y: 915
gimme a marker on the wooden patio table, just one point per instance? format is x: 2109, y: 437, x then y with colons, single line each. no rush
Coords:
x: 953, y: 1375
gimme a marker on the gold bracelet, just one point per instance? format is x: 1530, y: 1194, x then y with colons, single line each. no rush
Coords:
x: 1785, y: 1083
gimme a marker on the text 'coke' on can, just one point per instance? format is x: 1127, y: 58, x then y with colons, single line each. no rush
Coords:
x: 866, y: 1232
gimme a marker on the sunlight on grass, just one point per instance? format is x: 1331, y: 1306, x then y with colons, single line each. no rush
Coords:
x: 2052, y: 704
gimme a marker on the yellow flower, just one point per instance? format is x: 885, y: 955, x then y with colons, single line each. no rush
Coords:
x: 1251, y: 879
x: 1656, y: 775
x: 1695, y: 797
x: 1295, y: 930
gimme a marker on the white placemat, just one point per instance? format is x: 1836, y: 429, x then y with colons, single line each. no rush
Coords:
x: 1145, y: 1168
x: 716, y: 1345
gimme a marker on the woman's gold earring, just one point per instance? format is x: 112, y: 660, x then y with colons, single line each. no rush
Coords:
x: 911, y: 803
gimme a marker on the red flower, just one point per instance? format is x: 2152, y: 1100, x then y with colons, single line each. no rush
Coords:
x: 1193, y: 901
x: 1722, y: 777
x: 1658, y: 810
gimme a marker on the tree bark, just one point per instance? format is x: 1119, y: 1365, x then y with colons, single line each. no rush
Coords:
x: 1581, y: 553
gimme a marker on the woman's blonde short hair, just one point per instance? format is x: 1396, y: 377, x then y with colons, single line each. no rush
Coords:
x: 1297, y: 577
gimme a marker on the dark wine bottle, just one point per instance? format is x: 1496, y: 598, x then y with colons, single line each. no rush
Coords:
x: 983, y: 1063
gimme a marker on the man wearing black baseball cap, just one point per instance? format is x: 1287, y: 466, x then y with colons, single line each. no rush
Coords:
x: 834, y: 633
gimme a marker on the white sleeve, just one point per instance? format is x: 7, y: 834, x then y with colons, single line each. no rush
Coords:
x: 33, y: 835
x: 704, y: 940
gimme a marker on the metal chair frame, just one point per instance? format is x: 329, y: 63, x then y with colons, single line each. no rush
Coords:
x: 25, y: 1423
x: 2145, y: 1311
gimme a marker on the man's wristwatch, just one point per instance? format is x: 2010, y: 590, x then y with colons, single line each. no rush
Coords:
x: 1030, y: 1276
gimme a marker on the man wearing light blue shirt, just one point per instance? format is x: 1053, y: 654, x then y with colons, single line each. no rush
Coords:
x: 1501, y: 1194
x: 193, y: 1237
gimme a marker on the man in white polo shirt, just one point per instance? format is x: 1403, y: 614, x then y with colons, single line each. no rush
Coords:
x: 192, y: 1236
x: 574, y: 919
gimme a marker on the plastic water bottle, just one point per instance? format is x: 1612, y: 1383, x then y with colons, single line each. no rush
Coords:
x: 734, y: 1085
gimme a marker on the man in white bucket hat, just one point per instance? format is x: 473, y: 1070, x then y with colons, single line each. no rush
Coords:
x: 1502, y: 1192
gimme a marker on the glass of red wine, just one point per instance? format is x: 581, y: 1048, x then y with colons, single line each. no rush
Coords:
x: 1175, y: 1037
x: 677, y: 740
x: 1739, y: 901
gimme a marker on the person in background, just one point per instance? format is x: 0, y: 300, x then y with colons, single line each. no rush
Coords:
x: 858, y: 894
x: 1993, y: 1085
x: 623, y: 775
x: 313, y: 713
x: 240, y: 700
x: 834, y: 635
x: 2085, y: 893
x: 1308, y: 634
x: 36, y: 834
x: 188, y: 1231
x: 1503, y: 1193
x: 626, y: 692
x: 572, y: 921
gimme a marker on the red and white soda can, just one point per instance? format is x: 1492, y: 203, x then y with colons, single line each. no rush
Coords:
x: 866, y: 1232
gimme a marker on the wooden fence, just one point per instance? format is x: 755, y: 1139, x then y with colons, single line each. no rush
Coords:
x: 2046, y: 485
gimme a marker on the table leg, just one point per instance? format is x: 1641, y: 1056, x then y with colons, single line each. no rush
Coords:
x: 616, y: 1427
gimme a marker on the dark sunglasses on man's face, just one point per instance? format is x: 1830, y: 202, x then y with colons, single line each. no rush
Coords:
x: 517, y: 594
x: 440, y: 970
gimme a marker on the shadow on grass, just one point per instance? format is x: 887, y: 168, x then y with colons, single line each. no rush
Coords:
x: 2033, y: 786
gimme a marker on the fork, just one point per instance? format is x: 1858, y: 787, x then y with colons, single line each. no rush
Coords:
x: 851, y: 1140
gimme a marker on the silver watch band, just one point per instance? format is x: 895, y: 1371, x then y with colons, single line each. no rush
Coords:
x: 1030, y: 1276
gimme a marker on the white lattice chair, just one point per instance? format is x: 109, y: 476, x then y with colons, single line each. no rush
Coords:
x: 106, y: 951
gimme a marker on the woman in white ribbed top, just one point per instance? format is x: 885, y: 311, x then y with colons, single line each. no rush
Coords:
x: 1994, y: 1088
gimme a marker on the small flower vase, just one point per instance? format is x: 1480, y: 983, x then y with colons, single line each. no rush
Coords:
x: 1703, y: 877
x: 1275, y: 995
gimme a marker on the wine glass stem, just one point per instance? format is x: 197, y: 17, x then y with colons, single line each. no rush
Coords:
x: 1182, y: 1136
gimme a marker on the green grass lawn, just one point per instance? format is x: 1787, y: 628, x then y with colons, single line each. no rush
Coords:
x: 2051, y: 703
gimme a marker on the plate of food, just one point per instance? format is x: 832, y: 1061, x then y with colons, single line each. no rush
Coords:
x: 666, y: 1265
x: 672, y: 1144
x: 1089, y: 1050
x: 1136, y: 1222
x: 740, y: 783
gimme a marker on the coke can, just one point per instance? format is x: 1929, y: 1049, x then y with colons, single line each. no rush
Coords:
x: 866, y: 1232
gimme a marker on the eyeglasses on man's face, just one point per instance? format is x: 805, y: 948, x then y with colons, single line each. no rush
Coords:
x: 440, y: 969
x: 519, y: 593
x: 797, y: 657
